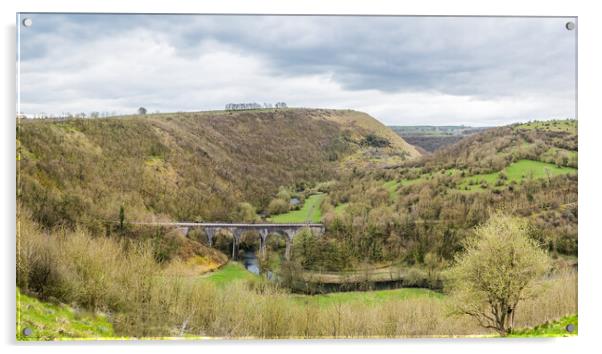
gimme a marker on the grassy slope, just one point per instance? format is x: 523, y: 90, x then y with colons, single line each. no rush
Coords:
x: 309, y: 212
x: 569, y: 126
x: 51, y: 322
x: 515, y: 172
x: 519, y: 171
x: 552, y: 329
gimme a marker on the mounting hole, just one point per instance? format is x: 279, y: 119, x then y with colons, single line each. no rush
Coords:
x: 27, y: 331
x: 27, y: 22
x: 570, y: 327
x: 570, y: 25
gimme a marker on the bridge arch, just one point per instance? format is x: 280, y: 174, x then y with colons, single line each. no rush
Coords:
x: 199, y: 235
x: 250, y: 240
x: 221, y: 234
x: 223, y: 239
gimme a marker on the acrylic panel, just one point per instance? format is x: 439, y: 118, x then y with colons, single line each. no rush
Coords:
x: 275, y: 176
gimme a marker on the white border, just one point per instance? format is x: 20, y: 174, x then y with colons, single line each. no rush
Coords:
x: 590, y: 131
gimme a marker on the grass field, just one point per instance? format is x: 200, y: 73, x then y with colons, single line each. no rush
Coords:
x: 518, y: 171
x: 309, y: 212
x: 230, y: 272
x: 52, y: 322
x: 553, y: 329
x: 366, y: 297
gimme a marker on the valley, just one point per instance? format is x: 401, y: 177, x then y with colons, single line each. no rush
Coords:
x: 395, y: 220
x: 430, y: 138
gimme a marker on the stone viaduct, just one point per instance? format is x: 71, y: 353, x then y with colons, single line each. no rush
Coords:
x: 238, y: 229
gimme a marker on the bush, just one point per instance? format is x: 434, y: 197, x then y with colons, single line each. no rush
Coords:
x: 98, y: 273
x: 375, y: 141
x: 278, y: 206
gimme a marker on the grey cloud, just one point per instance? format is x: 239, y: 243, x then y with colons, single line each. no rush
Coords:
x: 483, y: 58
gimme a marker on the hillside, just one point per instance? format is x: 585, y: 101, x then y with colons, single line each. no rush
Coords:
x: 184, y: 166
x: 49, y: 321
x: 420, y: 212
x: 549, y: 141
x: 367, y: 124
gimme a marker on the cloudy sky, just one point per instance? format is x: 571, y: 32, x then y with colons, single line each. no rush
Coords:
x: 401, y: 70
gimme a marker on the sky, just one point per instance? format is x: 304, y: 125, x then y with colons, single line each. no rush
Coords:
x: 476, y: 71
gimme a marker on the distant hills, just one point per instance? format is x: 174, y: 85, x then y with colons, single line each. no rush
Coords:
x: 429, y: 138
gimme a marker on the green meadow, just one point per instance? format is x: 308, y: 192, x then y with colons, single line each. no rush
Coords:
x: 309, y: 212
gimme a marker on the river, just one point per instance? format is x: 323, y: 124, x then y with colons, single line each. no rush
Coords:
x: 251, y: 263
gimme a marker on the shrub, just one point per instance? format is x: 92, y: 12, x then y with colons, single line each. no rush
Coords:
x: 278, y: 206
x: 375, y: 141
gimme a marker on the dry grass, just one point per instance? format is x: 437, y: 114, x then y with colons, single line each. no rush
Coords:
x: 558, y: 299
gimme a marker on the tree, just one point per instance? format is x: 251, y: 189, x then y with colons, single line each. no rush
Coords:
x: 141, y: 110
x: 498, y: 269
x: 245, y: 212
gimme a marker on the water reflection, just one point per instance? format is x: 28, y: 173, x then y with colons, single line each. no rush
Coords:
x: 250, y: 262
